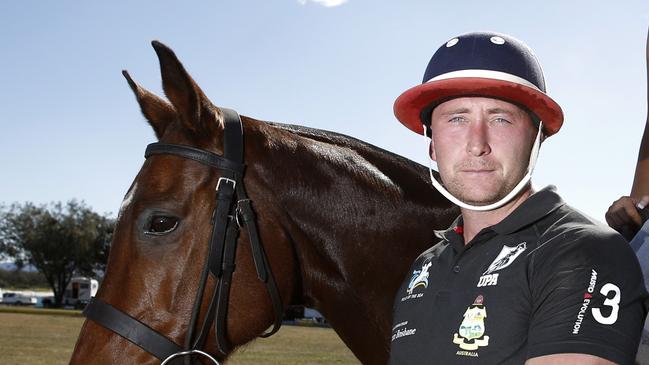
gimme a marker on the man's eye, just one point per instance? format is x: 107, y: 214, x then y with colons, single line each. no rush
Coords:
x: 161, y: 224
x: 456, y: 120
x: 502, y: 120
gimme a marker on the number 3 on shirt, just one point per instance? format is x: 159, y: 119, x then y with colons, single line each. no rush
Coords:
x: 614, y: 303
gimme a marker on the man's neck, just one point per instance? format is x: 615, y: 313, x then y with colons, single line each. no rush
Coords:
x: 475, y: 221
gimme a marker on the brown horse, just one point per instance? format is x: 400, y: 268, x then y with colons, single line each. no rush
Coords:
x: 340, y: 221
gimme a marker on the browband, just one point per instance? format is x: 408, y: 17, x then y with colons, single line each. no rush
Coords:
x: 192, y: 153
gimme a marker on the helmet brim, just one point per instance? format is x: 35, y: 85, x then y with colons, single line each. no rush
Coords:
x: 415, y: 104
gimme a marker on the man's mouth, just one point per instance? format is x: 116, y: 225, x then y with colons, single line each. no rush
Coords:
x: 477, y: 171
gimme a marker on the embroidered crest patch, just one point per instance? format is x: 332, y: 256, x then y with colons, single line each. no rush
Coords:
x: 419, y: 277
x: 471, y: 334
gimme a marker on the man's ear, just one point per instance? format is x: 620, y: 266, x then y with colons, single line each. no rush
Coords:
x: 431, y: 150
x: 431, y: 147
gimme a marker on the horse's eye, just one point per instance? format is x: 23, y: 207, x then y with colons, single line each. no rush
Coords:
x: 161, y: 224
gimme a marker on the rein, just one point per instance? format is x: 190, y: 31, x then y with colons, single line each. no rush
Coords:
x: 220, y: 261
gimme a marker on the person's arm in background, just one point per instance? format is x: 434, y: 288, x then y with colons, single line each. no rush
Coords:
x: 641, y: 179
x: 622, y: 214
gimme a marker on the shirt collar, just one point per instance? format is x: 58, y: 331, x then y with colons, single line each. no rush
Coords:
x: 457, y: 224
x: 537, y: 206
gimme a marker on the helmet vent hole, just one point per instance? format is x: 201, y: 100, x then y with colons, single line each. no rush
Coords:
x: 497, y: 40
x: 452, y: 42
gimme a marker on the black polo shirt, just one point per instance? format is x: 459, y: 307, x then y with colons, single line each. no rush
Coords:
x: 545, y: 280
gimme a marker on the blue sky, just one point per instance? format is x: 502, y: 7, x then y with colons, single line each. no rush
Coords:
x: 71, y: 127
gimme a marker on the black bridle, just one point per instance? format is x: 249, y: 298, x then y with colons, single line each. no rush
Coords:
x: 220, y: 261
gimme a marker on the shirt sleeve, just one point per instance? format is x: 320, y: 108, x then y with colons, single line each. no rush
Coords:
x: 588, y: 296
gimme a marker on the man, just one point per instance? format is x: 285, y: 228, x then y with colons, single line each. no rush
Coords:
x: 520, y: 277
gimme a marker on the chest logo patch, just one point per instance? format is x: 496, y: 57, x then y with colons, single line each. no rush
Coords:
x: 471, y: 334
x: 505, y: 258
x: 419, y: 277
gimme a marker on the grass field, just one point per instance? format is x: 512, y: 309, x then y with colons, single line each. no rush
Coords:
x: 27, y: 338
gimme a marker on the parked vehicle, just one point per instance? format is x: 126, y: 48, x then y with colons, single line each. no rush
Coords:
x: 18, y: 298
x: 79, y: 291
x: 314, y: 315
x: 302, y: 314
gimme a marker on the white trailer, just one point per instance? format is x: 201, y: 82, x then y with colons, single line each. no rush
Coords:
x: 79, y: 291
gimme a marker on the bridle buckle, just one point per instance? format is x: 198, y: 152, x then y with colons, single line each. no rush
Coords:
x: 227, y: 180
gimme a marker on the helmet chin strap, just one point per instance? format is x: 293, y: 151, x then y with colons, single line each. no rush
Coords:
x: 504, y: 200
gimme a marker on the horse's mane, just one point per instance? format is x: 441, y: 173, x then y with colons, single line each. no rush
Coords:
x: 343, y: 140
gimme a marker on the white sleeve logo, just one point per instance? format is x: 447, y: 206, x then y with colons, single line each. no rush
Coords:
x: 613, y: 302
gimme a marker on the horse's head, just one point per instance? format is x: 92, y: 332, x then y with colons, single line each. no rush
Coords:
x: 160, y: 248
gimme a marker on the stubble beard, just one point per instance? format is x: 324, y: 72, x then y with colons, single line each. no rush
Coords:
x: 484, y: 194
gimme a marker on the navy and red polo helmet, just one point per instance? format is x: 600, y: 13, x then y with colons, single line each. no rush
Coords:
x: 480, y: 64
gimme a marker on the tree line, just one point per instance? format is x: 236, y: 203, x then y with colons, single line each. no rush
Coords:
x: 19, y: 279
x: 59, y: 240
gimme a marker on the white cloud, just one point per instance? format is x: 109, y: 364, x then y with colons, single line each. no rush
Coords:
x: 325, y: 3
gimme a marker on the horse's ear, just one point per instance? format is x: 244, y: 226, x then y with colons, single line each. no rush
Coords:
x: 158, y: 112
x: 194, y: 109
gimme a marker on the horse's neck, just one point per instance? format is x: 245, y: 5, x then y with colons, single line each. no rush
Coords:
x: 357, y: 216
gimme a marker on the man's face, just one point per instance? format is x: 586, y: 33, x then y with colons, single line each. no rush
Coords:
x: 482, y: 147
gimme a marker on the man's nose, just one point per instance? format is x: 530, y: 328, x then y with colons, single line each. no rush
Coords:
x: 478, y: 139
